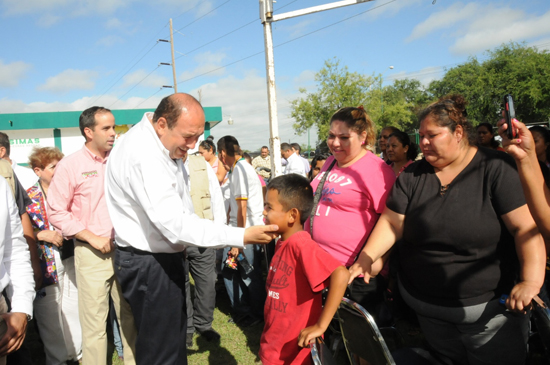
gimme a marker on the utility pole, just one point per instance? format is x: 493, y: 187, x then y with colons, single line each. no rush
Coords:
x: 173, y: 59
x: 267, y: 17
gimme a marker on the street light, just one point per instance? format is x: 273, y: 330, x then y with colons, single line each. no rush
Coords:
x: 381, y: 93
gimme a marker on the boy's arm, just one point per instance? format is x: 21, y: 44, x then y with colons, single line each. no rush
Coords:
x: 337, y: 287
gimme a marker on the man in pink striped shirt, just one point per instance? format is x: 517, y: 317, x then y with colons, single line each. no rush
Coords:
x: 77, y: 207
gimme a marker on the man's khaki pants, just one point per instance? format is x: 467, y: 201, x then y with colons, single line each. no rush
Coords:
x: 95, y: 277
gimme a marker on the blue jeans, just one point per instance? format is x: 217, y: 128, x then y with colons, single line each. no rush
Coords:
x: 246, y: 293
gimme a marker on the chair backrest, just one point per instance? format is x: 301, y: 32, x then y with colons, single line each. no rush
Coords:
x: 361, y: 334
x: 320, y: 353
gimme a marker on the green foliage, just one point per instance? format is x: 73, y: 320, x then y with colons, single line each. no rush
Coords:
x: 336, y: 88
x: 512, y: 68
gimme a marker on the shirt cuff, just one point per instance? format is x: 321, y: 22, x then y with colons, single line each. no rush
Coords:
x: 22, y: 305
x: 235, y: 237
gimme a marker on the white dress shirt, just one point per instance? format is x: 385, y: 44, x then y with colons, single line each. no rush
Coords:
x: 26, y: 176
x: 306, y: 164
x: 16, y: 275
x: 149, y: 201
x: 295, y: 165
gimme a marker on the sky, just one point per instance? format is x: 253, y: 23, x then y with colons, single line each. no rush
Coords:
x: 66, y: 55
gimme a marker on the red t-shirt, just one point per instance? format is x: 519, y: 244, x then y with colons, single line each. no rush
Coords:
x: 298, y: 272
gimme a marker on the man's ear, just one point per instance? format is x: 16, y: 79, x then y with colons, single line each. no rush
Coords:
x: 161, y: 126
x: 2, y: 152
x: 89, y: 133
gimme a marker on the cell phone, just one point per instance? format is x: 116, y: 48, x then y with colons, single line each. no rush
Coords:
x: 509, y: 114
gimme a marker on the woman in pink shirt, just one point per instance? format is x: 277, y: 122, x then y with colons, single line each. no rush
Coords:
x: 353, y: 195
x: 400, y: 151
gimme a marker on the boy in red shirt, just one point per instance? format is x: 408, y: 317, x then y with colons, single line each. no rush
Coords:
x: 298, y: 272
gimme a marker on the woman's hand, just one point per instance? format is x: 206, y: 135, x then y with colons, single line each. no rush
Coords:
x: 309, y: 334
x: 520, y: 147
x: 363, y: 266
x: 52, y: 237
x: 521, y: 296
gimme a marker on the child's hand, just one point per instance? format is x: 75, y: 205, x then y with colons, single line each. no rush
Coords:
x: 309, y: 334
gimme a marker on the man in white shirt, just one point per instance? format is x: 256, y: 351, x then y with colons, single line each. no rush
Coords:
x: 16, y: 275
x: 152, y: 213
x: 246, y: 292
x: 294, y: 164
x: 298, y: 151
x: 26, y: 176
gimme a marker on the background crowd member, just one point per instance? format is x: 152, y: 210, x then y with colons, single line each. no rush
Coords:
x: 56, y: 305
x: 316, y: 165
x: 383, y: 140
x: 246, y: 292
x: 541, y: 136
x: 401, y: 151
x: 16, y: 276
x: 298, y: 151
x: 152, y: 212
x: 294, y: 163
x: 262, y: 162
x: 460, y: 212
x: 208, y: 150
x: 207, y: 198
x: 354, y: 195
x: 486, y: 137
x: 26, y: 176
x: 77, y: 207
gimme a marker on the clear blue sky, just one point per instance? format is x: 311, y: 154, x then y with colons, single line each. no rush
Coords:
x: 62, y: 55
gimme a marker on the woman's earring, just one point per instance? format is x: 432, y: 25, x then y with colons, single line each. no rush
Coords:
x: 362, y: 143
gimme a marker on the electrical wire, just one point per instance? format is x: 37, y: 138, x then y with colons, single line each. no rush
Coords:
x: 287, y: 42
x: 126, y: 73
x: 133, y: 87
x: 199, y: 18
x: 230, y: 32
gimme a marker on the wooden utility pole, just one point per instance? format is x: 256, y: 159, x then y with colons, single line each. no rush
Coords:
x: 173, y: 59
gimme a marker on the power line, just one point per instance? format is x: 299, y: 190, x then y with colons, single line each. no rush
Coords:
x: 199, y: 18
x: 133, y: 87
x: 289, y: 41
x: 128, y: 70
x: 156, y: 92
x: 230, y: 32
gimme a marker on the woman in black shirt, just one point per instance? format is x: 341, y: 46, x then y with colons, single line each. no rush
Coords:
x: 467, y: 239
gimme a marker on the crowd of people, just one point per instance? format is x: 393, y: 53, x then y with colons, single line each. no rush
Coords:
x: 456, y: 227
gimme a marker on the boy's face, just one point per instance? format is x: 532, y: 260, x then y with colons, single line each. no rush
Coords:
x: 274, y: 212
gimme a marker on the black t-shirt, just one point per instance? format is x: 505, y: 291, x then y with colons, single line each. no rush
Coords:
x: 456, y: 251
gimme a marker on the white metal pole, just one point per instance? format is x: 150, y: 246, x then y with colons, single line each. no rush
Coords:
x: 173, y: 60
x: 274, y: 140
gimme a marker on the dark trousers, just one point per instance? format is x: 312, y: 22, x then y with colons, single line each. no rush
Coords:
x: 201, y: 264
x: 154, y: 286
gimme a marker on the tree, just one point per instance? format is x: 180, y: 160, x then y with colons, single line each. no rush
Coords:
x: 336, y: 88
x: 402, y: 101
x: 512, y: 68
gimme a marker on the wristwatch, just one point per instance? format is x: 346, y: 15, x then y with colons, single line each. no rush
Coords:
x: 29, y: 317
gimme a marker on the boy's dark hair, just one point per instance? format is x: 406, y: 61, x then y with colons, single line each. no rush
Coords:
x: 294, y: 192
x: 229, y: 145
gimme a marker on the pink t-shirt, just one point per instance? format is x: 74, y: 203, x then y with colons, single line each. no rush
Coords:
x: 353, y: 198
